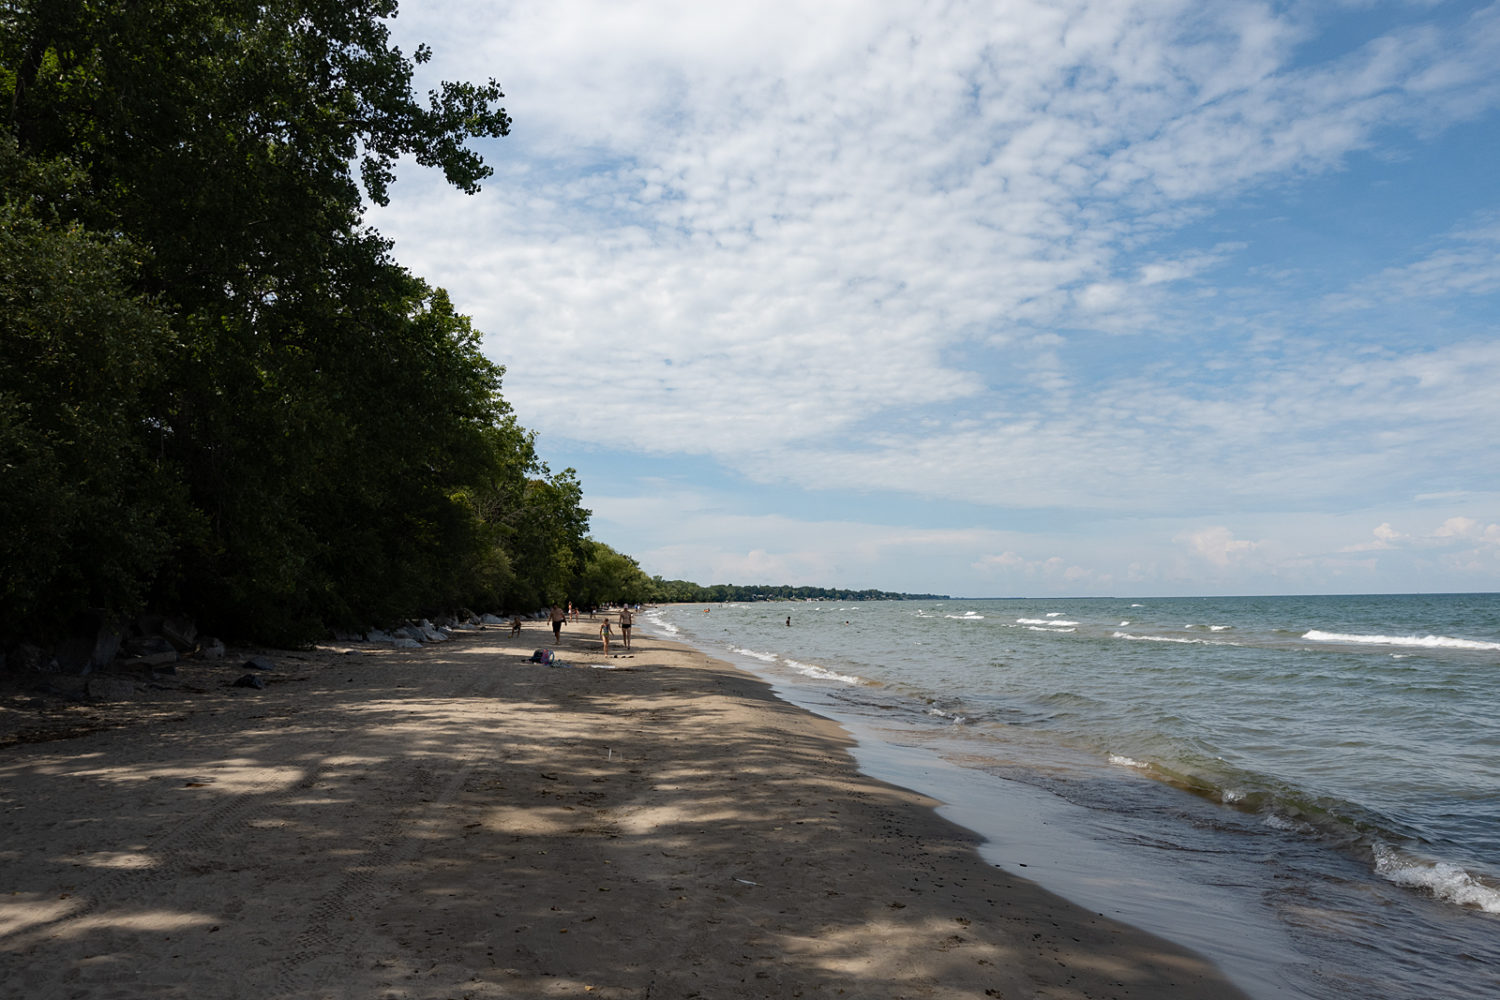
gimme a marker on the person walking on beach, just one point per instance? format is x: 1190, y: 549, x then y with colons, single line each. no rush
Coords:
x: 557, y: 620
x: 604, y: 634
x: 626, y: 620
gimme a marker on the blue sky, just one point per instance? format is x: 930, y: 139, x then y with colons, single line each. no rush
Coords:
x: 994, y: 299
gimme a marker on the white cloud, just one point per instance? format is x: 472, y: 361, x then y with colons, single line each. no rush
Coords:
x: 1464, y: 262
x: 899, y: 248
x: 1219, y: 546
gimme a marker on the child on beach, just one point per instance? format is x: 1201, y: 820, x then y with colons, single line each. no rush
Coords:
x: 604, y: 634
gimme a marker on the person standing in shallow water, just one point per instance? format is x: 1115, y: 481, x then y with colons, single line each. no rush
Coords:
x: 557, y: 619
x: 627, y: 618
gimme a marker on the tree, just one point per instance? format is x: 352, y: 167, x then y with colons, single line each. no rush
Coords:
x: 609, y: 577
x: 337, y: 438
x: 87, y: 507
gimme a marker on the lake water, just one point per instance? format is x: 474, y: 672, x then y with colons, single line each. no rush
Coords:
x: 1305, y: 789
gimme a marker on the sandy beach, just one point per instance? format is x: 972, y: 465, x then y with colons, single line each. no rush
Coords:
x: 457, y: 822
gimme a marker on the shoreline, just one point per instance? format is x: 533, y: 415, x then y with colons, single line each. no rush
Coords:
x: 457, y: 821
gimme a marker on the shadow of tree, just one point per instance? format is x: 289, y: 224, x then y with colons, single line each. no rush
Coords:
x: 458, y: 822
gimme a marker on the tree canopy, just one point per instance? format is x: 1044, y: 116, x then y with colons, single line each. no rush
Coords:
x: 219, y: 392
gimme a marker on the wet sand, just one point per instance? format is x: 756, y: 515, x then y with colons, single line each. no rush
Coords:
x: 457, y: 822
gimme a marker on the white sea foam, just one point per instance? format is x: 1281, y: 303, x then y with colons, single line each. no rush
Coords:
x: 1428, y: 641
x: 763, y: 657
x: 1044, y: 628
x: 1442, y: 879
x: 1053, y: 614
x: 1169, y: 638
x: 1230, y: 796
x: 1278, y: 822
x: 1042, y: 621
x: 820, y: 673
x: 1123, y: 624
x: 967, y: 616
x: 1220, y: 628
x: 1124, y: 761
x: 655, y: 618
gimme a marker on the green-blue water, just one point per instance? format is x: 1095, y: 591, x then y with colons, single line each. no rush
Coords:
x: 1324, y: 767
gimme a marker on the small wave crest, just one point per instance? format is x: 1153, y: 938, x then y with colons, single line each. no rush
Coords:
x: 1124, y: 761
x: 1049, y: 620
x: 1170, y: 638
x: 665, y: 626
x: 820, y: 673
x: 967, y: 616
x: 1428, y: 641
x: 1443, y: 879
x: 763, y: 657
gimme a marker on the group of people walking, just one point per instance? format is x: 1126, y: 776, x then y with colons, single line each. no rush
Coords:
x: 626, y: 619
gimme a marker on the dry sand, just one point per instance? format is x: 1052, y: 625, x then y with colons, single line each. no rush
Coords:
x: 457, y: 822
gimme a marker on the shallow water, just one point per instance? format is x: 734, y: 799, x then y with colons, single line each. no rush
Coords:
x: 1303, y: 788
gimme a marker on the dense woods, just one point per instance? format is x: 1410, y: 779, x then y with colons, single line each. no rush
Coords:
x: 218, y: 391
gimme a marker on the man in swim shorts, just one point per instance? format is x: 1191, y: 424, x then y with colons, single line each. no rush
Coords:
x: 627, y: 618
x: 557, y: 620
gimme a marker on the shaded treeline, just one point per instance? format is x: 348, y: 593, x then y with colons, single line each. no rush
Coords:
x: 218, y: 391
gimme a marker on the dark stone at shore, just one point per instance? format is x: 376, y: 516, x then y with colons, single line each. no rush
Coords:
x: 93, y: 644
x: 251, y: 681
x: 148, y: 650
x: 180, y: 631
x: 75, y: 654
x: 259, y: 663
x: 27, y: 657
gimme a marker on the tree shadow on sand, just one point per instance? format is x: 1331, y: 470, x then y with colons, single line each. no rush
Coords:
x: 458, y: 822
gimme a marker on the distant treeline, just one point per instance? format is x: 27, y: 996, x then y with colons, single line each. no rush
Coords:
x: 683, y: 591
x: 219, y: 394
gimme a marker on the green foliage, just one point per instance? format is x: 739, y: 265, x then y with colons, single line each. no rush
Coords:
x: 609, y: 577
x: 221, y: 394
x: 85, y: 504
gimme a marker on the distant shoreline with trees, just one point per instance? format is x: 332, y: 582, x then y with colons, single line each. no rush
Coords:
x: 685, y: 592
x: 611, y: 577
